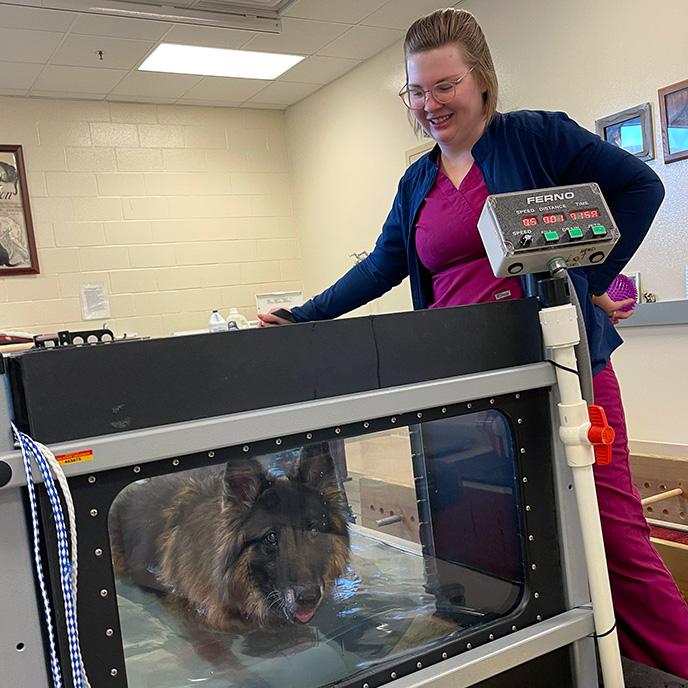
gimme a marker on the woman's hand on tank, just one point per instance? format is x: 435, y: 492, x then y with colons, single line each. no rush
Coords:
x: 613, y: 308
x: 269, y: 319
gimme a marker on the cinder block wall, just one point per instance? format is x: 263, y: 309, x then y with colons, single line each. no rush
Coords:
x: 177, y: 210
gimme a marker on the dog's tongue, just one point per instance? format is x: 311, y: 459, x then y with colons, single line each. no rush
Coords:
x: 304, y: 615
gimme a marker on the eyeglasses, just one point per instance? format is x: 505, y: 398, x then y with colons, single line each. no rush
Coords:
x: 414, y: 97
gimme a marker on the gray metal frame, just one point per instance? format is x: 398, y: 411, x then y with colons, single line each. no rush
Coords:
x: 167, y: 441
x: 22, y: 653
x: 474, y: 666
x: 573, y: 627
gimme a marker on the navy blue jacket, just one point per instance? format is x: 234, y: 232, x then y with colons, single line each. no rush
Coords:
x: 518, y: 151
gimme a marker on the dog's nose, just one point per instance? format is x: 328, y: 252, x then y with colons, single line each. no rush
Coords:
x: 306, y: 599
x: 308, y: 596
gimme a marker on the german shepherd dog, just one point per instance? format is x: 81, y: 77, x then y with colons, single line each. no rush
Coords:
x: 236, y: 546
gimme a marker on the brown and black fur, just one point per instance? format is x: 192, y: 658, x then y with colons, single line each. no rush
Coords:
x: 236, y: 545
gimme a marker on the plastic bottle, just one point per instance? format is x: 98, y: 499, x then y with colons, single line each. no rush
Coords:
x: 236, y: 321
x: 217, y: 323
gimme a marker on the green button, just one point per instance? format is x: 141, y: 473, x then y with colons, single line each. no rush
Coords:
x: 551, y: 236
x: 598, y: 230
x: 575, y: 233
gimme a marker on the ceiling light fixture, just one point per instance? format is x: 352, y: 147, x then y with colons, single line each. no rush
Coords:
x: 242, y: 64
x: 248, y: 15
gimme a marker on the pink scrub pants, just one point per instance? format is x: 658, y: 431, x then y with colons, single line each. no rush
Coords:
x: 651, y: 614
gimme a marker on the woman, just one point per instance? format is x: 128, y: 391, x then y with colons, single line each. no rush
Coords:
x: 431, y: 235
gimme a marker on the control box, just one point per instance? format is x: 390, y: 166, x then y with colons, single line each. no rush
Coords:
x: 523, y: 230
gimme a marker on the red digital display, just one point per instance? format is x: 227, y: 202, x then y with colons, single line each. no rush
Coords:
x: 553, y: 218
x: 587, y: 214
x: 530, y: 220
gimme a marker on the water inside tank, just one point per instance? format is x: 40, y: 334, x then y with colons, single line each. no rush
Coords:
x: 434, y: 549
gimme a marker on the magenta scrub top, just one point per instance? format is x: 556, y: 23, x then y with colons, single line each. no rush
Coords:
x: 450, y: 248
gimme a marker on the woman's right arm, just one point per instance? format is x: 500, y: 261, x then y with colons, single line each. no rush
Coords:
x: 632, y: 190
x: 375, y: 275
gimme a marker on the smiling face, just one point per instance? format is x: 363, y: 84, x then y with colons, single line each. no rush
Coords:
x: 459, y: 123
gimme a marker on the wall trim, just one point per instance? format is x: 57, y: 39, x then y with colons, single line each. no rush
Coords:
x: 650, y: 448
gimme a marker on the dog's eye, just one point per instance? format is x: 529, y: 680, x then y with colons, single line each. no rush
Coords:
x: 271, y: 538
x: 314, y: 530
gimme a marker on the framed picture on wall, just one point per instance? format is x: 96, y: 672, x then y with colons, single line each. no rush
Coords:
x: 634, y: 277
x: 673, y: 113
x: 630, y: 130
x: 17, y: 243
x: 418, y: 151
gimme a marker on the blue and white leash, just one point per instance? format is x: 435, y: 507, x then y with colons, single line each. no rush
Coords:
x: 45, y: 460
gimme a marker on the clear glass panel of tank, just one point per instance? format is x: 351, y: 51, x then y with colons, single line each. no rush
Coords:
x: 306, y: 567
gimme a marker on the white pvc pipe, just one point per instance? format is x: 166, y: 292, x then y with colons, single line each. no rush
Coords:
x: 598, y: 577
x: 560, y: 332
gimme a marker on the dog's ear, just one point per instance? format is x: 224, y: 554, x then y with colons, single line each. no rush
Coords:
x: 243, y: 481
x: 316, y: 466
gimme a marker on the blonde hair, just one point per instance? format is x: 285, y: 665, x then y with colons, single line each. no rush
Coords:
x: 451, y: 26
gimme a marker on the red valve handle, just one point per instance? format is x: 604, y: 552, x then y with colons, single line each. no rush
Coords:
x: 601, y: 434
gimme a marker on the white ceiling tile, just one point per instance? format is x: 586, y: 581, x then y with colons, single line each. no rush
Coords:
x: 118, y: 53
x: 19, y: 75
x: 348, y: 12
x: 400, y: 14
x: 120, y: 27
x: 155, y: 84
x: 21, y: 45
x: 54, y: 53
x: 319, y: 70
x: 219, y: 88
x: 16, y: 17
x: 361, y: 42
x: 84, y: 80
x: 299, y: 37
x: 283, y: 92
x: 207, y: 36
